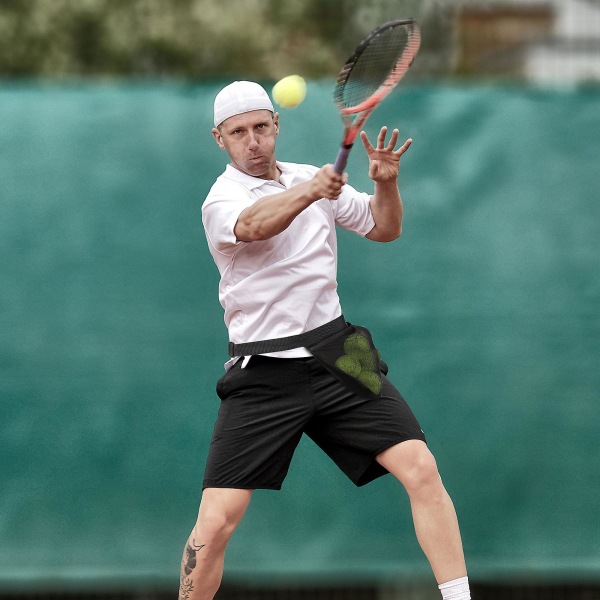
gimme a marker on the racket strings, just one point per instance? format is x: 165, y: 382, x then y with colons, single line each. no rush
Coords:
x: 387, y: 53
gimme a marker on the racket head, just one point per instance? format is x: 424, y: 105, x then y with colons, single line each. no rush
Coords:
x: 378, y: 63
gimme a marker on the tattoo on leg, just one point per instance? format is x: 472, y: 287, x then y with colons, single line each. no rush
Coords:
x: 186, y: 585
x: 190, y: 556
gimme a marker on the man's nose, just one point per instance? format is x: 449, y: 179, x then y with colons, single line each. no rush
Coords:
x: 253, y: 142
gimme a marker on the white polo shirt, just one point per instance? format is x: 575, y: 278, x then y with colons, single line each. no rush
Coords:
x: 285, y: 285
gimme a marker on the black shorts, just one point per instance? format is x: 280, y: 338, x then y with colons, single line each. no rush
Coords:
x: 266, y: 407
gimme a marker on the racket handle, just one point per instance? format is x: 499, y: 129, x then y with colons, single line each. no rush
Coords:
x: 342, y: 158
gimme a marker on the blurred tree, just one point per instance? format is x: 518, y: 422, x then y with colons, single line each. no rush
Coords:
x: 203, y: 38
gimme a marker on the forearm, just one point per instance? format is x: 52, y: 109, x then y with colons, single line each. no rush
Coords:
x: 386, y: 208
x: 273, y: 214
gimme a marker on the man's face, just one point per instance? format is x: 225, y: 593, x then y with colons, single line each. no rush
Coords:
x: 249, y: 139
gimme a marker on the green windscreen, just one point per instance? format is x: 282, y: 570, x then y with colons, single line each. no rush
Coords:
x: 112, y: 338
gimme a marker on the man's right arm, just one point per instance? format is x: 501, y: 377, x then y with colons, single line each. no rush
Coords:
x: 273, y: 214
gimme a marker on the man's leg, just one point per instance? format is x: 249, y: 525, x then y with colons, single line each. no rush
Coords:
x: 434, y: 516
x: 202, y: 565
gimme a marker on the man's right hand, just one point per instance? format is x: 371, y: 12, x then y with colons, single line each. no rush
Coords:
x: 326, y: 183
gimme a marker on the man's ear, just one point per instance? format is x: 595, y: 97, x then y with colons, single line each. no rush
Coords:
x: 276, y: 123
x: 217, y: 135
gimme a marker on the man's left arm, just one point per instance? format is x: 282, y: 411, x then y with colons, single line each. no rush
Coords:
x: 386, y: 203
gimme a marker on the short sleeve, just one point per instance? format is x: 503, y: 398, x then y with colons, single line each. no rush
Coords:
x: 352, y: 211
x: 220, y: 212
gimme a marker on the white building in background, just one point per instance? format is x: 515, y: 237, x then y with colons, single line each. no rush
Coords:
x: 572, y: 53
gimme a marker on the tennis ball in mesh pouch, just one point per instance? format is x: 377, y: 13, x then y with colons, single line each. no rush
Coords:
x: 367, y: 358
x: 356, y: 344
x: 348, y: 364
x: 370, y: 381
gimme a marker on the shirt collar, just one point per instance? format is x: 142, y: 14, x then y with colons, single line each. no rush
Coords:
x: 251, y: 183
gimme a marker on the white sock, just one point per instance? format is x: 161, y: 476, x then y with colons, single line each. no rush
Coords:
x: 457, y: 589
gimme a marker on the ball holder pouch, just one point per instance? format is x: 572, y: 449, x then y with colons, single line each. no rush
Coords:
x: 351, y: 356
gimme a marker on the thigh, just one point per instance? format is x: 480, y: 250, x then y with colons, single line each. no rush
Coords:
x: 353, y: 430
x: 260, y: 421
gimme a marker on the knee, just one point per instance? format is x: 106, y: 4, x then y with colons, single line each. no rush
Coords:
x: 214, y: 527
x: 421, y: 477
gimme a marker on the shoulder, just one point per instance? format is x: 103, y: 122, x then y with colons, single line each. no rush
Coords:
x: 299, y: 171
x: 225, y: 188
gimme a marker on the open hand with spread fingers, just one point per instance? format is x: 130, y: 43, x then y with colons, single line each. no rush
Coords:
x: 384, y: 160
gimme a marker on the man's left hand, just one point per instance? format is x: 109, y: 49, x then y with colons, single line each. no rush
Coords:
x: 384, y: 161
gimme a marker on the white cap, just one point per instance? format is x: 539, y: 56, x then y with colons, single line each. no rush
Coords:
x: 240, y: 97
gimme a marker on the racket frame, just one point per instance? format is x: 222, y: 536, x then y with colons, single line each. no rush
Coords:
x: 365, y: 108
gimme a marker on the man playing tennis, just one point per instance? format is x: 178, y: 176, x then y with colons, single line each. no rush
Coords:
x: 270, y: 228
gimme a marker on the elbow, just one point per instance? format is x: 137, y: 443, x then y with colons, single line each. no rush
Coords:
x: 397, y: 232
x: 388, y: 234
x: 393, y: 237
x: 391, y: 234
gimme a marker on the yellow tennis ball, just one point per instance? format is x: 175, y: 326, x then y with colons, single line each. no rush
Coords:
x: 289, y: 91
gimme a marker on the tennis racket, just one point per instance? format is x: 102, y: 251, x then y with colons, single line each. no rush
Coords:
x: 370, y: 74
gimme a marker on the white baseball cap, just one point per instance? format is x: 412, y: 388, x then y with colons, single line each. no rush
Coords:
x: 240, y: 97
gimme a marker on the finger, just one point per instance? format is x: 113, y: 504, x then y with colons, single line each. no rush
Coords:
x: 334, y: 185
x: 403, y: 148
x: 373, y: 169
x: 393, y: 140
x: 366, y: 143
x: 334, y: 194
x: 381, y: 138
x: 331, y: 174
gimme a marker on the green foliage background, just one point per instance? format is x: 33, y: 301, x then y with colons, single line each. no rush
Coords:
x: 198, y: 39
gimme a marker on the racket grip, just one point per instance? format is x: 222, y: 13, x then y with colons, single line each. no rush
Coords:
x: 342, y: 158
